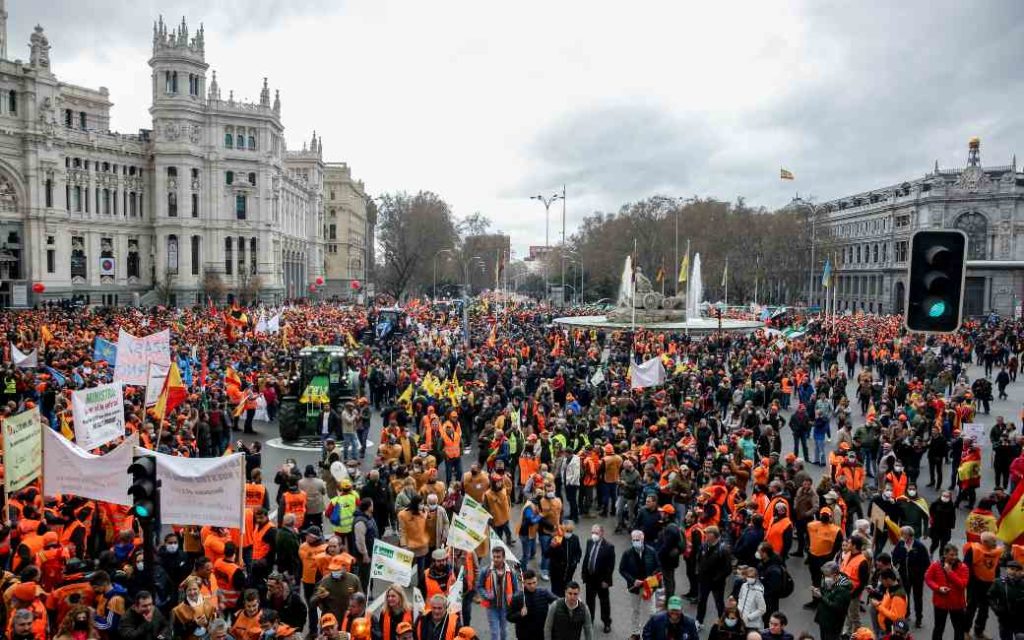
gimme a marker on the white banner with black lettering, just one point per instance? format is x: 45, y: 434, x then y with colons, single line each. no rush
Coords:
x: 98, y: 414
x: 201, y: 491
x: 134, y: 355
x: 71, y: 470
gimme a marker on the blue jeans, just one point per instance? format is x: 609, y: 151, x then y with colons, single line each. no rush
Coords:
x: 496, y: 622
x: 349, y: 446
x: 529, y: 546
x: 819, y: 451
x: 545, y: 544
x: 452, y: 469
x: 871, y: 464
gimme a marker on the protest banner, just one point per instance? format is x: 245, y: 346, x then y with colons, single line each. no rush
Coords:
x: 474, y: 514
x: 465, y: 536
x: 98, y: 414
x: 155, y: 378
x: 975, y: 431
x: 497, y: 542
x: 391, y: 563
x: 21, y: 360
x: 134, y: 355
x: 23, y: 450
x: 455, y: 593
x: 201, y: 491
x: 71, y: 470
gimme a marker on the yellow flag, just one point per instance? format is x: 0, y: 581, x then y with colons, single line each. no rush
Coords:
x: 406, y: 395
x: 352, y: 341
x: 65, y: 428
x: 684, y: 269
x: 45, y: 334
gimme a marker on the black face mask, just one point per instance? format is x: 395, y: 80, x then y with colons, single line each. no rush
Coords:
x: 81, y: 625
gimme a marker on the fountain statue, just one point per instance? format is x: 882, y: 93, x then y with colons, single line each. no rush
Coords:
x: 638, y: 301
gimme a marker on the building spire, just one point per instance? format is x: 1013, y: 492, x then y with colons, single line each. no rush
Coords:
x: 214, y: 87
x: 265, y: 94
x: 3, y: 29
x: 974, y: 152
x: 277, y: 101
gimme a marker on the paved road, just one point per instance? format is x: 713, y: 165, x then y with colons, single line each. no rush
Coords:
x: 799, y: 618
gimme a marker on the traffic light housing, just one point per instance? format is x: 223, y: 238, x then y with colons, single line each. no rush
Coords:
x: 935, y: 282
x: 144, y: 489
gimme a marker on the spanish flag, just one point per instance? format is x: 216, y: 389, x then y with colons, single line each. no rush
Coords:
x: 969, y: 473
x: 45, y: 335
x: 1011, y: 521
x: 785, y: 174
x: 231, y: 378
x: 871, y: 414
x: 173, y: 393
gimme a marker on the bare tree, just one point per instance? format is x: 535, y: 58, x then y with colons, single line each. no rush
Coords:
x: 411, y: 230
x: 213, y: 286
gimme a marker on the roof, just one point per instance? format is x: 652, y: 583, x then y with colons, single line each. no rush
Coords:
x: 332, y: 349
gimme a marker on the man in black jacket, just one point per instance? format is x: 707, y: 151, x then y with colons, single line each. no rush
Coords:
x: 598, y: 567
x: 669, y: 546
x: 714, y: 567
x: 911, y: 559
x: 637, y: 564
x: 529, y: 608
x: 143, y: 621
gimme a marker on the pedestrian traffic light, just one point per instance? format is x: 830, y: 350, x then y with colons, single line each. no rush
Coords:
x: 143, y: 489
x: 935, y: 283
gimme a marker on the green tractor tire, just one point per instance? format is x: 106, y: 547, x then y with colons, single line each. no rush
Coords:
x: 290, y: 419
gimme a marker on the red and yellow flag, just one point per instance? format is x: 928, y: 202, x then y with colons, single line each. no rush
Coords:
x: 173, y: 394
x: 1011, y: 521
x: 231, y: 378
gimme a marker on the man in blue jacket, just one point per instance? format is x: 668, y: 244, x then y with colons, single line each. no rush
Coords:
x: 671, y: 624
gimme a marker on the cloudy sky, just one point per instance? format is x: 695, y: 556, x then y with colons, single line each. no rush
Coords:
x: 487, y: 103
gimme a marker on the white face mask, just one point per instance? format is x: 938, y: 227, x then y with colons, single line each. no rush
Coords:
x: 171, y: 547
x: 337, y: 574
x: 898, y: 469
x: 751, y: 580
x: 139, y: 566
x: 731, y: 622
x: 887, y: 495
x: 758, y: 555
x: 433, y: 507
x: 550, y: 494
x: 911, y: 492
x: 638, y: 545
x: 946, y: 499
x: 595, y: 537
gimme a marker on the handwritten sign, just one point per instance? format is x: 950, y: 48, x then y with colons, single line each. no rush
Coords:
x: 135, y: 354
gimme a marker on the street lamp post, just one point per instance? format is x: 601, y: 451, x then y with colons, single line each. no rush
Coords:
x: 547, y: 201
x: 813, y: 215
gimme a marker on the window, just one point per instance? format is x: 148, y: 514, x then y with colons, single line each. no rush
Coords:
x: 82, y: 120
x: 901, y: 251
x: 172, y: 172
x: 240, y: 140
x: 241, y: 256
x: 252, y: 142
x: 193, y: 84
x: 229, y: 177
x: 51, y: 261
x: 114, y: 200
x: 172, y: 204
x: 134, y: 263
x: 874, y: 253
x: 240, y: 207
x: 195, y: 205
x: 229, y: 264
x: 197, y: 257
x: 99, y: 206
x: 252, y: 178
x: 172, y: 255
x: 174, y: 82
x: 78, y: 260
x: 229, y: 138
x: 332, y: 198
x: 334, y: 214
x: 69, y: 118
x: 333, y: 235
x: 78, y: 199
x: 49, y: 192
x: 106, y: 201
x: 167, y: 82
x: 252, y: 256
x: 195, y: 175
x: 975, y: 225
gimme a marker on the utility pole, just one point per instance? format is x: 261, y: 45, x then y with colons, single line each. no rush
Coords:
x: 563, y: 244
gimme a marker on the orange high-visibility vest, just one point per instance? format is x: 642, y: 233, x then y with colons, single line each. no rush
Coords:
x: 295, y: 503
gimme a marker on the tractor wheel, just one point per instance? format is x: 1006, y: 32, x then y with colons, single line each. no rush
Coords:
x: 289, y: 419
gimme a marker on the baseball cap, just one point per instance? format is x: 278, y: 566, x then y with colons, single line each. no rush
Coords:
x: 675, y: 603
x: 403, y: 627
x: 328, y: 620
x: 667, y: 508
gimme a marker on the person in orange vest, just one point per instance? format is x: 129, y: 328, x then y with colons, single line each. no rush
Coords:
x: 780, y: 533
x: 438, y: 624
x: 51, y: 561
x: 496, y: 585
x: 293, y: 501
x: 824, y: 542
x: 28, y: 621
x: 857, y: 568
x: 395, y: 620
x: 231, y: 579
x: 439, y: 577
x: 309, y: 551
x: 256, y: 495
x: 451, y: 440
x: 356, y: 621
x: 898, y: 479
x: 982, y: 560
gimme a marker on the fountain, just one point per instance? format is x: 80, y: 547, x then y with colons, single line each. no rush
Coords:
x: 639, y: 306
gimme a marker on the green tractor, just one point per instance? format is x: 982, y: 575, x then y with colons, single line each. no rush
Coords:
x: 320, y: 380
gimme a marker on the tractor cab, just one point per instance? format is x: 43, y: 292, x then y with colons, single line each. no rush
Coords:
x: 321, y: 379
x: 390, y: 322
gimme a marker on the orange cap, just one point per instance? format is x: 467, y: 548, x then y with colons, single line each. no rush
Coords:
x: 404, y: 627
x: 328, y: 620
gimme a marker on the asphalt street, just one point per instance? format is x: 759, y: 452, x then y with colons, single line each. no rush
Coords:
x: 800, y: 619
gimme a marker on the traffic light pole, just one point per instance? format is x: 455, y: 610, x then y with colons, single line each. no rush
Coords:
x: 145, y: 493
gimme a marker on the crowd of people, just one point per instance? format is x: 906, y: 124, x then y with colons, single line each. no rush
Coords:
x: 712, y: 475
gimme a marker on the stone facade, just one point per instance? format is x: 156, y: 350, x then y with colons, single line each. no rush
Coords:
x: 210, y: 196
x: 349, y: 232
x: 867, y: 236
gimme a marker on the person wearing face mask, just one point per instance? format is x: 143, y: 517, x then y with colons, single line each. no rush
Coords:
x: 334, y: 590
x: 437, y: 524
x: 729, y: 627
x: 911, y: 559
x: 597, y: 571
x: 941, y: 521
x: 638, y: 563
x: 832, y: 600
x: 914, y: 510
x: 564, y: 554
x: 885, y: 504
x: 897, y: 480
x: 173, y: 560
x: 750, y: 600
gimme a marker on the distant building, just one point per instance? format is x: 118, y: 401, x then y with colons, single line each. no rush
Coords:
x: 349, y: 230
x: 867, y: 236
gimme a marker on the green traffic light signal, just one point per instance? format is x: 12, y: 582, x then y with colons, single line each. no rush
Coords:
x: 935, y: 280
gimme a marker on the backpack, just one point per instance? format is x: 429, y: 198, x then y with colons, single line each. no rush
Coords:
x: 334, y: 513
x: 787, y: 586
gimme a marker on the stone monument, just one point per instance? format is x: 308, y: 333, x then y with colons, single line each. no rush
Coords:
x: 638, y: 301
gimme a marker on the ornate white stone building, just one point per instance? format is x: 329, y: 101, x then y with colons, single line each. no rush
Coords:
x: 349, y: 233
x: 867, y: 236
x: 209, y: 193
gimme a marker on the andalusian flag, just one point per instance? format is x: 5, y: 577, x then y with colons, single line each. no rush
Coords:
x: 406, y: 395
x: 1011, y: 521
x: 173, y: 393
x: 684, y: 270
x: 785, y: 174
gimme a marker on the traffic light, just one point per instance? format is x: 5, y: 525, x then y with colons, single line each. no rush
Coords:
x: 143, y: 490
x: 935, y: 284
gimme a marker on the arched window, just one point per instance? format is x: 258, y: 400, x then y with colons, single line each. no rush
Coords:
x: 172, y: 255
x: 172, y: 204
x: 241, y: 256
x: 229, y: 138
x: 975, y: 225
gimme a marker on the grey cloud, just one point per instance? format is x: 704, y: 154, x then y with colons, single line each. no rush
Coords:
x: 76, y: 25
x: 912, y: 82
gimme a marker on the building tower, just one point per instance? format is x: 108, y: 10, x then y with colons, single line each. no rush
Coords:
x: 974, y: 152
x: 3, y: 29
